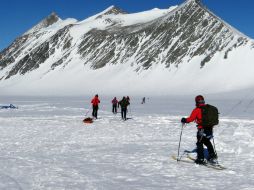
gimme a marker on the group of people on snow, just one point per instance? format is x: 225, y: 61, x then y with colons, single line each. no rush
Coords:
x: 204, y: 133
x: 123, y: 103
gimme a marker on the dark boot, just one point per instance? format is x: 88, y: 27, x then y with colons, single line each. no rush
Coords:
x: 212, y: 159
x: 200, y: 161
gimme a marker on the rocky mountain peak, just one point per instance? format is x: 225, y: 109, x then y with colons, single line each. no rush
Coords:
x: 188, y: 36
x: 196, y: 1
x: 46, y: 22
x: 51, y: 19
x: 112, y: 10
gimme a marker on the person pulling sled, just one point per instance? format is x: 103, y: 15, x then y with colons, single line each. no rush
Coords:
x: 95, y: 103
x: 206, y: 116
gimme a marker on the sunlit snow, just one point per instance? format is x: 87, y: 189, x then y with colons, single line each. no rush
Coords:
x: 45, y: 145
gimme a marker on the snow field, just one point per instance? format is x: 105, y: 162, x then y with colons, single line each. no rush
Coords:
x: 45, y: 145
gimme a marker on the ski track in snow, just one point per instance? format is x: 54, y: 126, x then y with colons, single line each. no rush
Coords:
x: 45, y: 145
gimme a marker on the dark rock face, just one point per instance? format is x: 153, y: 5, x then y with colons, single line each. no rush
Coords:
x: 114, y: 10
x: 33, y: 56
x: 51, y: 19
x: 31, y: 61
x: 41, y: 53
x: 8, y: 55
x: 188, y: 31
x: 48, y: 21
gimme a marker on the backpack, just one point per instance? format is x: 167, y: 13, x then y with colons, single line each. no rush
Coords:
x: 124, y: 103
x: 210, y: 115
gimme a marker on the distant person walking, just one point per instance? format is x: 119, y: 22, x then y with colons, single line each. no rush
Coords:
x: 95, y: 103
x: 114, y: 105
x: 143, y: 100
x: 124, y: 104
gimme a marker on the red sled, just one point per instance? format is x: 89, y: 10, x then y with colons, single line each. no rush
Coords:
x: 88, y: 120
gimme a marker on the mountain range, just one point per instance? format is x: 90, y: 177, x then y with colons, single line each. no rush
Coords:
x: 184, y: 49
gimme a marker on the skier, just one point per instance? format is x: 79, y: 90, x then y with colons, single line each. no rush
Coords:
x: 124, y: 104
x: 114, y: 105
x: 95, y: 103
x: 204, y: 134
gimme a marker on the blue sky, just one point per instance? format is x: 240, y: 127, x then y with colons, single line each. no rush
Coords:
x: 17, y: 16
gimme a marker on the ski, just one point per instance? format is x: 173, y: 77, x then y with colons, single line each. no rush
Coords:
x: 180, y: 160
x: 209, y: 165
x: 192, y: 161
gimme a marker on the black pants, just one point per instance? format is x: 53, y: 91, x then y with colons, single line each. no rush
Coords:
x: 95, y: 111
x: 114, y: 108
x: 203, y: 138
x: 123, y: 113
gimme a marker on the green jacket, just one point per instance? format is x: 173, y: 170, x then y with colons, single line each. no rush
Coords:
x: 124, y: 103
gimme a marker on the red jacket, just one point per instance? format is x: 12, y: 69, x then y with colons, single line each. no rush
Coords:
x: 95, y: 101
x: 196, y: 115
x: 114, y: 101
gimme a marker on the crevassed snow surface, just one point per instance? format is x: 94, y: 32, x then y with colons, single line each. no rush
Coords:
x: 45, y: 145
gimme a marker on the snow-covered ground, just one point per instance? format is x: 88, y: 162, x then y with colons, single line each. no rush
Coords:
x: 45, y: 145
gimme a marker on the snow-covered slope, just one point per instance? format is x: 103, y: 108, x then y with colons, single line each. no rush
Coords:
x: 183, y: 49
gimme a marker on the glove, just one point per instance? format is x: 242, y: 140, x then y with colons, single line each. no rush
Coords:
x: 183, y: 120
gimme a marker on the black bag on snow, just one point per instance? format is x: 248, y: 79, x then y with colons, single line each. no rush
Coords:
x: 210, y: 115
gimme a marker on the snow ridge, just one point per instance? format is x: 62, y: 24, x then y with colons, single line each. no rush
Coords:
x: 159, y: 46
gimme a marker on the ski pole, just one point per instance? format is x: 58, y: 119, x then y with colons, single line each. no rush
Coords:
x: 180, y: 142
x: 214, y: 148
x: 130, y: 111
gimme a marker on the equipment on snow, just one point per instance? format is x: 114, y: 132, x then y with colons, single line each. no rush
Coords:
x: 11, y: 106
x: 215, y: 152
x: 178, y: 152
x: 191, y: 160
x: 210, y: 115
x: 210, y: 164
x: 88, y: 120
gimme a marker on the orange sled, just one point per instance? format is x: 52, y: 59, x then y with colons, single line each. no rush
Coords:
x: 88, y: 120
